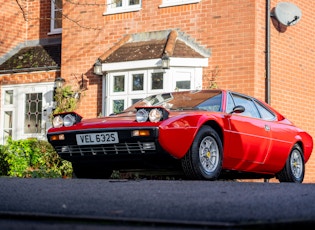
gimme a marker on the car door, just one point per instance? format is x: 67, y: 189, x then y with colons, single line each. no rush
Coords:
x: 249, y: 135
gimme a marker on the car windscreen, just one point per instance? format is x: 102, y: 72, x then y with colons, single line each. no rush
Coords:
x: 210, y: 100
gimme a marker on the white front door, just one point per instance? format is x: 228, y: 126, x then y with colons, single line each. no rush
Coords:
x: 25, y: 110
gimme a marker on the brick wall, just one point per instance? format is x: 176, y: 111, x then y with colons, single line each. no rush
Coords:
x: 28, y: 78
x: 25, y: 22
x: 12, y: 26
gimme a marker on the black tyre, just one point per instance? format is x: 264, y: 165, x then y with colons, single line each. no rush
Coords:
x: 91, y: 172
x: 294, y: 168
x: 204, y: 159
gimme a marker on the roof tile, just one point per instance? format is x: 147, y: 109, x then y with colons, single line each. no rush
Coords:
x: 34, y: 57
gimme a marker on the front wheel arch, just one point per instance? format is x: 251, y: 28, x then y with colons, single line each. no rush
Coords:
x: 204, y: 159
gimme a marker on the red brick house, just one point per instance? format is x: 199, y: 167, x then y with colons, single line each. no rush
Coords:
x: 238, y: 45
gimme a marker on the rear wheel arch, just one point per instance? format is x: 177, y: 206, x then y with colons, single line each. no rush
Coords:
x: 294, y: 167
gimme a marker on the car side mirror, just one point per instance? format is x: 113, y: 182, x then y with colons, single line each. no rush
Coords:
x: 238, y: 109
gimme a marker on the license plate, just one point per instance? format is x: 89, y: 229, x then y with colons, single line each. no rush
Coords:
x: 97, y: 138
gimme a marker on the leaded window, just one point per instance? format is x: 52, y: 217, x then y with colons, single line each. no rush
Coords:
x: 33, y: 113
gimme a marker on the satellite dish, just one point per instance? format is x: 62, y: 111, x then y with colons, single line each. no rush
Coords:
x: 287, y: 13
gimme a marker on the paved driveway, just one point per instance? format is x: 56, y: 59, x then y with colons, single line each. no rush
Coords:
x: 193, y: 204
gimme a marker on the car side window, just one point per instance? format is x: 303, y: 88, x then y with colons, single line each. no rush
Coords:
x: 250, y: 108
x: 230, y: 103
x: 264, y: 112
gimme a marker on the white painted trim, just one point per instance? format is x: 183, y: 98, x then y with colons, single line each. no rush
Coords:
x: 52, y: 20
x: 143, y: 64
x: 154, y: 63
x: 168, y: 3
x: 121, y: 11
x: 110, y: 9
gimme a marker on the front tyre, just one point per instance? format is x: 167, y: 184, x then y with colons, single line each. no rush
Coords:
x: 203, y: 161
x: 294, y: 168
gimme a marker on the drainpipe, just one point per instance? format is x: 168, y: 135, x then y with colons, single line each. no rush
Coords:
x: 267, y: 53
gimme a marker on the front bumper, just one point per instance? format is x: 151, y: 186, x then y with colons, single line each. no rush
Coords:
x: 131, y: 151
x: 68, y: 147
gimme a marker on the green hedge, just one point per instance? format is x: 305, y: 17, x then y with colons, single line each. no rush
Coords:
x: 32, y: 158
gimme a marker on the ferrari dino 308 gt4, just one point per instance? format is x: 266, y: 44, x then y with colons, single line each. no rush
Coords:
x: 205, y: 134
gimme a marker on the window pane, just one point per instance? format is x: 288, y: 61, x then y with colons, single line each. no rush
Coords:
x: 118, y: 106
x: 8, y: 97
x: 57, y: 14
x: 133, y: 2
x: 250, y: 108
x: 265, y: 114
x: 7, y: 131
x: 33, y: 113
x: 58, y: 4
x: 7, y: 120
x: 137, y: 82
x: 119, y: 83
x: 116, y: 3
x: 230, y: 104
x: 183, y: 84
x: 157, y: 81
x: 135, y: 100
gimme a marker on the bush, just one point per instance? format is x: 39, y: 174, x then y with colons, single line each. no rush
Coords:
x: 32, y: 158
x: 4, y: 166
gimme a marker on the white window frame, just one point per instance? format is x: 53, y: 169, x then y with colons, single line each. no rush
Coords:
x: 129, y: 82
x: 168, y: 3
x: 194, y: 76
x: 192, y: 65
x: 165, y: 83
x: 110, y: 9
x: 111, y: 83
x: 170, y: 77
x: 111, y: 103
x: 52, y: 21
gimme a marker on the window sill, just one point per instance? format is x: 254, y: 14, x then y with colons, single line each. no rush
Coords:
x: 178, y: 3
x: 54, y: 32
x: 119, y: 11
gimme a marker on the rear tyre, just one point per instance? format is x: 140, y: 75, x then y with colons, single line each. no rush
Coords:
x: 294, y: 168
x: 204, y: 159
x: 91, y: 172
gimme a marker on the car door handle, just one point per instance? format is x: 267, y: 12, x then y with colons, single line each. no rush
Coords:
x: 267, y: 127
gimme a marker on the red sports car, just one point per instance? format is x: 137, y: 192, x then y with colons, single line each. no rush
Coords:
x: 205, y: 134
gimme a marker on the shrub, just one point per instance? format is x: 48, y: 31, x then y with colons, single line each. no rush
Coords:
x: 4, y: 166
x: 33, y: 158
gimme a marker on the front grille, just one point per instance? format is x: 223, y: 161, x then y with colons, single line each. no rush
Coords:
x: 103, y: 150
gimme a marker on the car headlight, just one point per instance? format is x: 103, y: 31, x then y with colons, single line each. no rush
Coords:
x: 57, y: 122
x: 155, y: 115
x: 142, y: 115
x: 68, y: 120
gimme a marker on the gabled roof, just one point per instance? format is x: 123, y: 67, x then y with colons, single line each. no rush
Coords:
x: 152, y: 45
x: 35, y: 58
